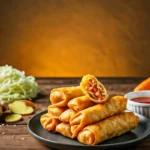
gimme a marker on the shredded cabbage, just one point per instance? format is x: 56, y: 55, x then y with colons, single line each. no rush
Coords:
x: 15, y: 85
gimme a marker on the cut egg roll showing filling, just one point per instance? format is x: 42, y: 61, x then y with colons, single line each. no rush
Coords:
x: 94, y: 89
x: 108, y: 128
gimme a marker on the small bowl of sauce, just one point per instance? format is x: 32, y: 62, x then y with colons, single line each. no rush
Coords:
x: 145, y: 100
x: 139, y: 102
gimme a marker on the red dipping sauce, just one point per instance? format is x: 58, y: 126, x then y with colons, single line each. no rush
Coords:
x: 145, y: 100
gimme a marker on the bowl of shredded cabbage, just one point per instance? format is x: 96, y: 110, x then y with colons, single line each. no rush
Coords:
x: 15, y: 85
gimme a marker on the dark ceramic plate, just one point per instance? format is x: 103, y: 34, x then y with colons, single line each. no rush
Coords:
x: 58, y: 141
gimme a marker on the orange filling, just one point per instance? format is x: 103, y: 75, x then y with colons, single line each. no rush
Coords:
x: 94, y: 90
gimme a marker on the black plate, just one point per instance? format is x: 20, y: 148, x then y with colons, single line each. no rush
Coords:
x: 58, y: 141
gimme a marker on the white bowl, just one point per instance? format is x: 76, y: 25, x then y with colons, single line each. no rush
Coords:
x: 137, y: 107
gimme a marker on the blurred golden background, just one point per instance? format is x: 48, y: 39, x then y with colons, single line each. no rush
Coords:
x: 70, y: 38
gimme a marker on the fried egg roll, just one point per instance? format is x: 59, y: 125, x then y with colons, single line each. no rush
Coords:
x: 66, y: 115
x: 80, y: 103
x: 64, y: 129
x: 113, y: 106
x: 94, y: 89
x: 48, y: 122
x: 61, y: 96
x: 56, y: 111
x: 108, y: 128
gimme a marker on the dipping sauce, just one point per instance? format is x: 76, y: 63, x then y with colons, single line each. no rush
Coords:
x: 145, y: 100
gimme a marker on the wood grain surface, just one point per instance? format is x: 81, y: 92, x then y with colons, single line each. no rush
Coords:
x: 17, y: 136
x: 70, y: 38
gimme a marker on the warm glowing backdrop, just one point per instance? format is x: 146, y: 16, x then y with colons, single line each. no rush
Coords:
x: 75, y: 37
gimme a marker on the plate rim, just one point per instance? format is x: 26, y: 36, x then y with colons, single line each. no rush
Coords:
x: 84, y: 145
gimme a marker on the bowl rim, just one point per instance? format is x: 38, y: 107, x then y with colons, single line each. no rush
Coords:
x: 137, y: 103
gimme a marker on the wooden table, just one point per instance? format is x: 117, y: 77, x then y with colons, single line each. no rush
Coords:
x: 16, y: 136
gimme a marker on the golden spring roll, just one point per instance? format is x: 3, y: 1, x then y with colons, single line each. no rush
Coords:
x: 94, y: 89
x: 80, y: 103
x: 108, y: 128
x: 56, y: 111
x: 64, y: 129
x: 115, y: 105
x: 66, y: 115
x: 61, y: 96
x: 48, y: 122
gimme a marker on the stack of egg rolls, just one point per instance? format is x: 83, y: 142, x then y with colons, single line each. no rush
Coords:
x: 58, y: 116
x: 87, y: 113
